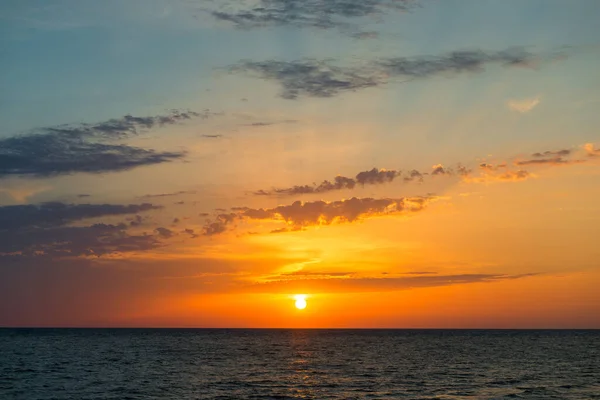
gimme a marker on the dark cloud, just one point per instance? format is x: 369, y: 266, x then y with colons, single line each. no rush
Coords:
x: 190, y: 232
x: 558, y: 153
x: 440, y: 170
x: 94, y: 240
x: 322, y: 14
x: 181, y: 192
x: 56, y: 214
x: 212, y: 136
x: 68, y: 149
x: 43, y: 230
x: 136, y: 221
x: 309, y: 77
x: 303, y: 214
x: 413, y: 175
x: 83, y: 195
x: 547, y: 161
x: 219, y: 225
x: 371, y: 177
x: 164, y: 232
x: 376, y: 176
x: 314, y: 78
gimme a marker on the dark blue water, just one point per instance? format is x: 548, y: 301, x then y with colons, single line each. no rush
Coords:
x: 298, y: 364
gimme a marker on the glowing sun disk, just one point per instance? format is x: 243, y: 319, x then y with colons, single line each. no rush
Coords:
x: 300, y: 302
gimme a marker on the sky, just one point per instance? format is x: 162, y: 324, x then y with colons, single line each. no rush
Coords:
x: 399, y: 163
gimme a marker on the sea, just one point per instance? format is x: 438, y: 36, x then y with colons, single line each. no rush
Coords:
x: 282, y: 364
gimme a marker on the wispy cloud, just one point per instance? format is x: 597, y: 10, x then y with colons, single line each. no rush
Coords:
x: 371, y: 284
x: 523, y: 105
x: 80, y: 148
x: 172, y: 194
x: 313, y: 78
x: 548, y: 161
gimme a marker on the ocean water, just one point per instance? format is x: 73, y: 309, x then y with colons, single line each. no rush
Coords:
x: 298, y: 364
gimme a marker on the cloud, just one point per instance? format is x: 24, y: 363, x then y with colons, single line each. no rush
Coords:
x: 334, y: 284
x: 370, y: 177
x: 376, y: 176
x: 303, y: 214
x: 365, y: 35
x: 56, y: 214
x: 493, y: 175
x: 68, y: 149
x: 171, y: 194
x: 557, y: 153
x: 94, y: 240
x: 309, y: 77
x: 313, y: 78
x: 547, y: 161
x: 321, y: 14
x: 440, y: 170
x: 590, y: 150
x: 270, y: 123
x: 523, y: 106
x: 164, y: 232
x: 45, y: 230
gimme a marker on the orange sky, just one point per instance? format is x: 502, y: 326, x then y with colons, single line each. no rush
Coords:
x: 410, y: 168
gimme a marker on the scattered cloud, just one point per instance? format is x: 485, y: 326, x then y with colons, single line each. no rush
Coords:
x: 440, y: 170
x: 524, y: 105
x: 68, y: 149
x: 303, y: 214
x: 313, y: 78
x: 370, y: 177
x: 321, y: 14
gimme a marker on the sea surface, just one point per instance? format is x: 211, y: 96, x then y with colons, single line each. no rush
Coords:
x: 298, y: 364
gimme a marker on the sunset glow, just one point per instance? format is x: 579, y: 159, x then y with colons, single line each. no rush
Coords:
x: 403, y: 164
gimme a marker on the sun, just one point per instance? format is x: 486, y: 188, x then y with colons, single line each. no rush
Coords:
x: 300, y: 301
